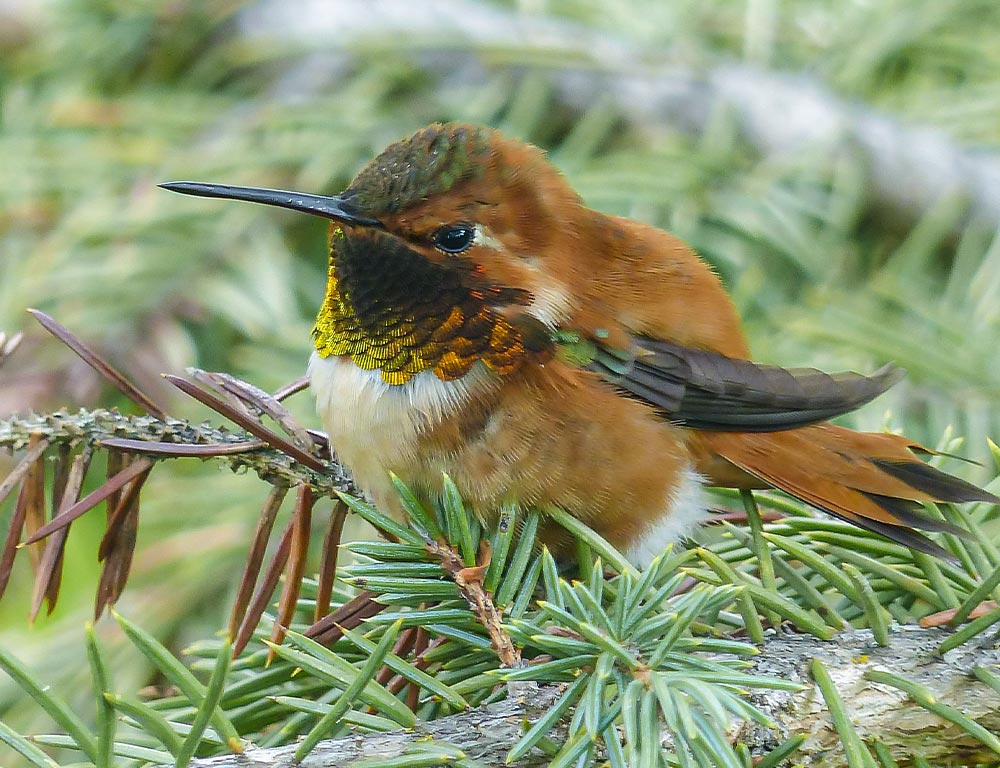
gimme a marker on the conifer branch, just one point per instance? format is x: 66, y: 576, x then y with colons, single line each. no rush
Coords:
x: 484, y: 734
x: 879, y: 712
x: 111, y: 428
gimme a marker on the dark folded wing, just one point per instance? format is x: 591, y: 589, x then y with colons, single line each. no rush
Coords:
x: 707, y: 390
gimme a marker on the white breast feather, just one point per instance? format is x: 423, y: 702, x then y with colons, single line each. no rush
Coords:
x: 373, y: 425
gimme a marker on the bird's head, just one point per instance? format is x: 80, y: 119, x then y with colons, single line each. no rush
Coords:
x: 448, y: 248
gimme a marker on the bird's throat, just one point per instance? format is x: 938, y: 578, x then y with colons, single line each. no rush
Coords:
x: 390, y: 309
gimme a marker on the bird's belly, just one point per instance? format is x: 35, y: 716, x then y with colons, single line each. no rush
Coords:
x: 606, y: 461
x: 374, y: 427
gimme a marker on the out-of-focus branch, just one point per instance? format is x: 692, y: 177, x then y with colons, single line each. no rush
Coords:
x: 910, y: 167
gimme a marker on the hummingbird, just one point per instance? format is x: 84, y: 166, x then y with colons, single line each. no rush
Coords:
x: 481, y: 321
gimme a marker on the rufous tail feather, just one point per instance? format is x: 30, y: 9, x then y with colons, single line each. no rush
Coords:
x: 873, y: 480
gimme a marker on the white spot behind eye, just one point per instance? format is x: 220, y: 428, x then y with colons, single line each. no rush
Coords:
x: 552, y: 304
x: 484, y: 237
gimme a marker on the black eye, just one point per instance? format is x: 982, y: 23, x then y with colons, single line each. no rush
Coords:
x: 454, y: 239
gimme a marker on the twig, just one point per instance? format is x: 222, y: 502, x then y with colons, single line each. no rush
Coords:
x: 95, y: 426
x: 248, y: 423
x: 98, y: 363
x: 259, y: 400
x: 255, y: 558
x: 470, y: 583
x: 301, y: 523
x: 8, y: 344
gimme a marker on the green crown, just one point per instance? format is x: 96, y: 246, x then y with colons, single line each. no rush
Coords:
x: 427, y: 163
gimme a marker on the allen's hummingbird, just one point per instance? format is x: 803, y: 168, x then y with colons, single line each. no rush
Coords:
x: 481, y: 321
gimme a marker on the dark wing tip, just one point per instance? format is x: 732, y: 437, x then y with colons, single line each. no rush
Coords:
x: 902, y: 533
x: 940, y: 485
x: 910, y: 514
x: 738, y: 394
x: 703, y: 389
x: 889, y: 375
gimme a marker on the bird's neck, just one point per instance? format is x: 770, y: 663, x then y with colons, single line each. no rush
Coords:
x: 400, y: 314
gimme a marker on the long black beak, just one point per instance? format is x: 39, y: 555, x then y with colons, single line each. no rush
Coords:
x: 333, y: 207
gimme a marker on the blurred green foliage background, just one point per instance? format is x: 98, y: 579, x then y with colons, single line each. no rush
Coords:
x: 836, y: 161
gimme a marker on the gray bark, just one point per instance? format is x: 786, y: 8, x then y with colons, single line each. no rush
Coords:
x: 484, y: 734
x: 878, y: 711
